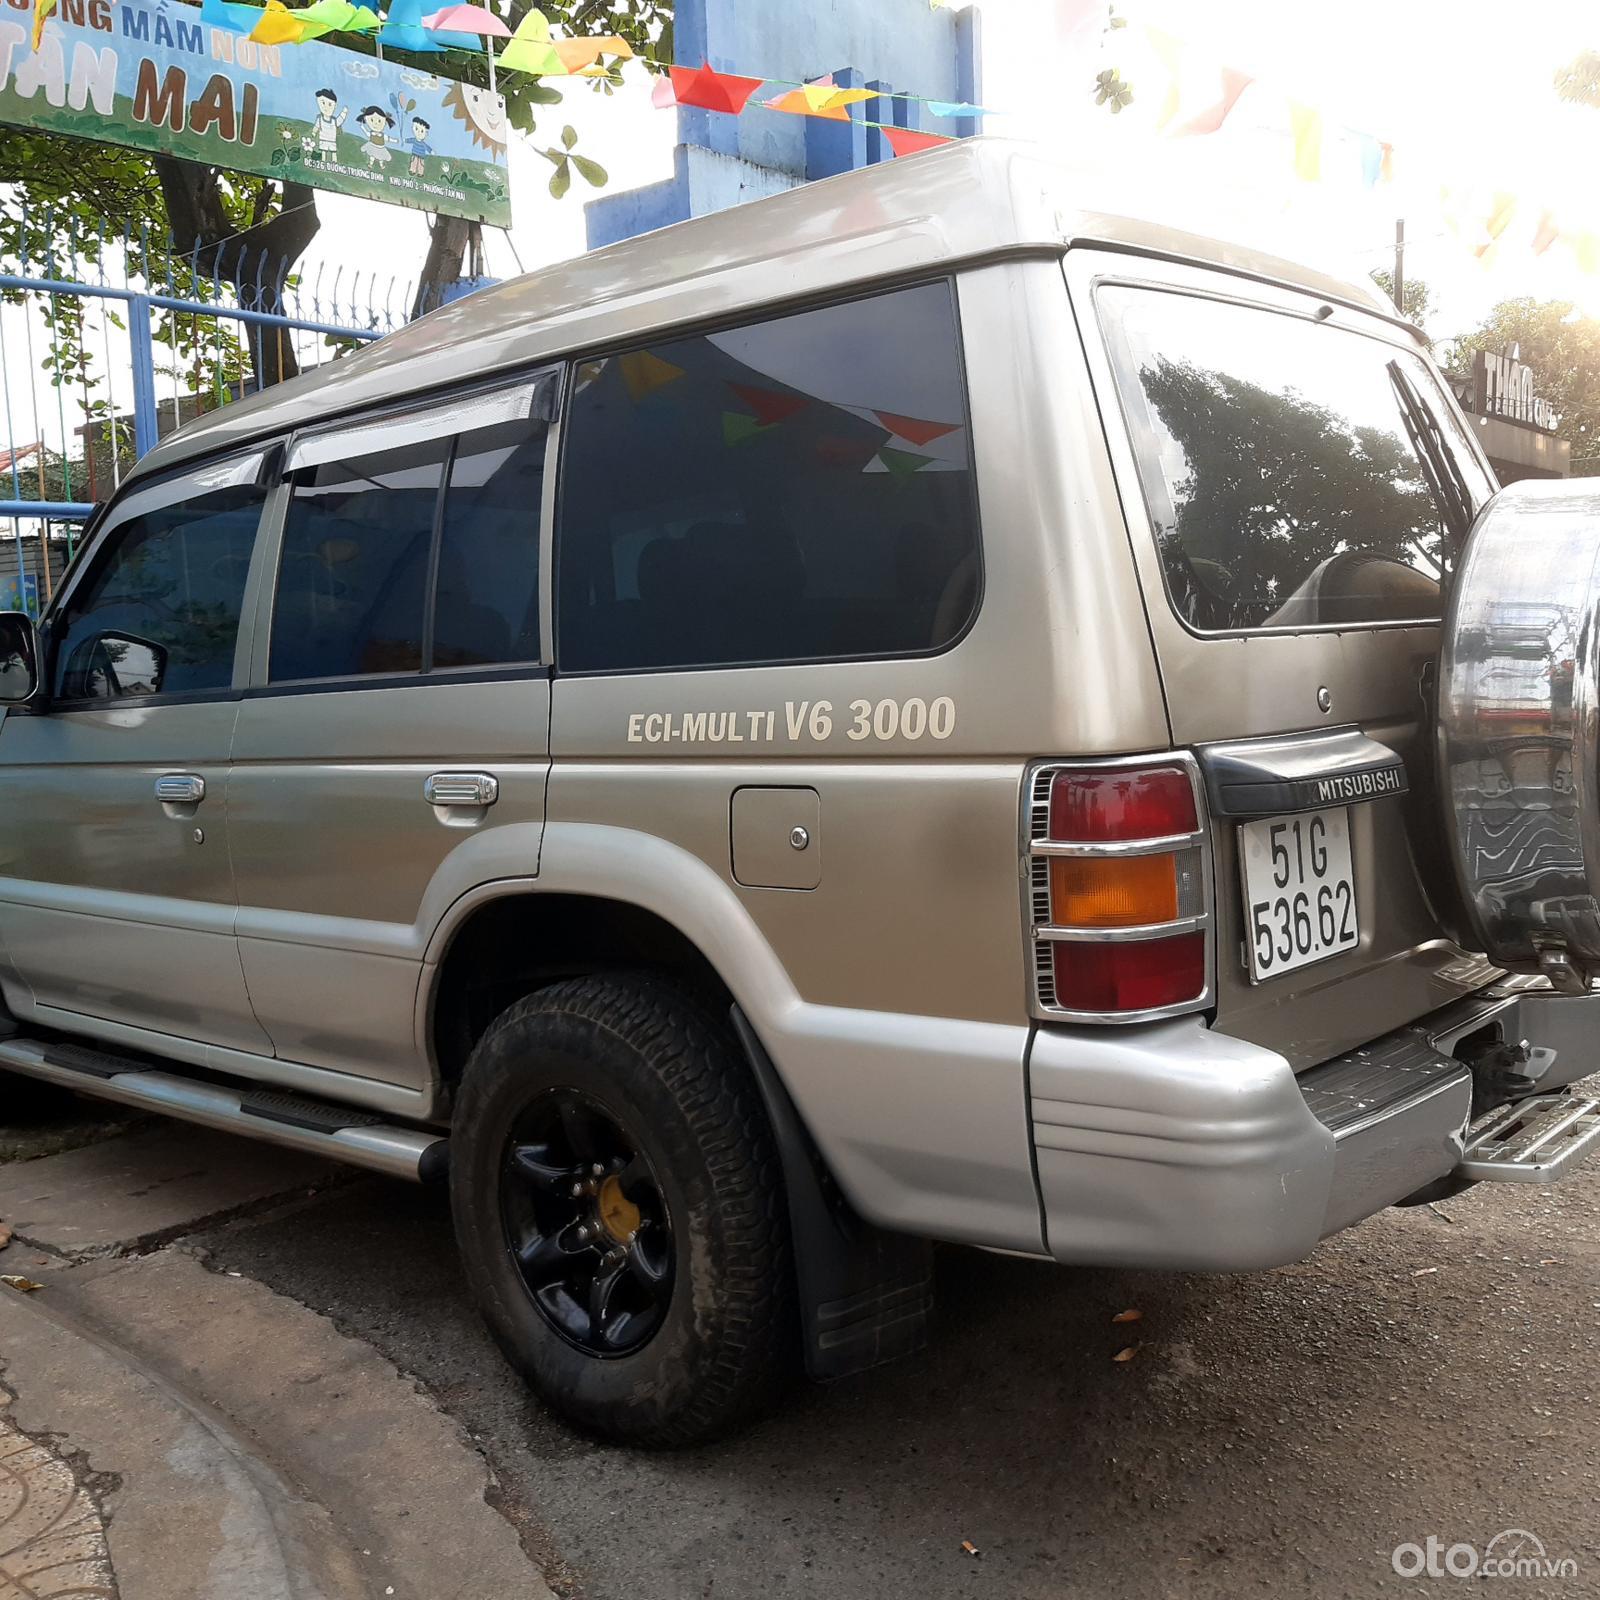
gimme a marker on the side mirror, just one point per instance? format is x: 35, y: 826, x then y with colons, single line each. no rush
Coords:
x: 107, y: 666
x: 19, y: 658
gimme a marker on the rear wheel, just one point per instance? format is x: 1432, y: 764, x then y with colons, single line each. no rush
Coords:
x: 618, y: 1208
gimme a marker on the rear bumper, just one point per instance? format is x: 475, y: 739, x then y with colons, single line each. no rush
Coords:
x: 1175, y: 1146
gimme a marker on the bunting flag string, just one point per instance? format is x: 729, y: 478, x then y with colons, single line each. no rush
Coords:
x: 533, y: 50
x: 1482, y: 219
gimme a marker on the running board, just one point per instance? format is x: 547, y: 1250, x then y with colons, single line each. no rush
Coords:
x: 1532, y: 1141
x: 318, y: 1127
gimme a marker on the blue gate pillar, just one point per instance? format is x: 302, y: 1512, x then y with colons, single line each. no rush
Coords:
x: 146, y: 421
x: 722, y: 160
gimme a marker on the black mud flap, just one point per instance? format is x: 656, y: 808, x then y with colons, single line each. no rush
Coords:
x: 865, y: 1293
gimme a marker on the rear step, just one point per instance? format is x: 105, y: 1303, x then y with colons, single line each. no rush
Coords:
x: 1532, y: 1141
x: 316, y: 1126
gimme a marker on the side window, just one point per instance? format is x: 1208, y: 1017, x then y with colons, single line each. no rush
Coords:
x: 353, y: 575
x: 797, y: 489
x: 160, y: 615
x: 378, y: 576
x: 486, y: 607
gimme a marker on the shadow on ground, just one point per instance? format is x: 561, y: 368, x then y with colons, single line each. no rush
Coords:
x: 1279, y: 1433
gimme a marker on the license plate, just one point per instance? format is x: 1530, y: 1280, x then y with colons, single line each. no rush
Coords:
x: 1299, y: 890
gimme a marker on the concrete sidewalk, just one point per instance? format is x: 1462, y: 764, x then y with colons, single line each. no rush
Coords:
x: 203, y: 1437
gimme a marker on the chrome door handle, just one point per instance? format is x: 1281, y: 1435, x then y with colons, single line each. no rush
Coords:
x: 461, y: 789
x: 180, y: 789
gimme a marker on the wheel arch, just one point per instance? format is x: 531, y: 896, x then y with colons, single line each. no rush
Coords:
x: 604, y: 898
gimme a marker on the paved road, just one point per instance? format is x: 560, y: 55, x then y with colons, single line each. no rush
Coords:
x: 1432, y: 1373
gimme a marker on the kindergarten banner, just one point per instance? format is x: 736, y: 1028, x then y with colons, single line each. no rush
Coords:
x: 150, y: 74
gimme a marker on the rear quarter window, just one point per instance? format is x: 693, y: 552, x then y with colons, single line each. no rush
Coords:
x: 1281, y: 483
x: 794, y: 489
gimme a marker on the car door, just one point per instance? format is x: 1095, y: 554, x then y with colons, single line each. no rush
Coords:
x: 391, y: 751
x: 116, y: 892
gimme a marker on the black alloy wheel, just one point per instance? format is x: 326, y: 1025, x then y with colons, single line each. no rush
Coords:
x: 587, y: 1224
x: 620, y: 1211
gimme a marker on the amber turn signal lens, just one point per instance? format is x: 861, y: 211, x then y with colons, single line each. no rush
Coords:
x: 1113, y: 891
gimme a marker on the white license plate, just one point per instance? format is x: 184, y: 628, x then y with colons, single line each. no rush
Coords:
x: 1299, y: 890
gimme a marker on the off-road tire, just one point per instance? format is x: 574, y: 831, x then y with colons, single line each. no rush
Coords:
x: 671, y: 1075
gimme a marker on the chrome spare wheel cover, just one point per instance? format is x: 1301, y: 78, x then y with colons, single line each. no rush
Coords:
x: 1517, y: 728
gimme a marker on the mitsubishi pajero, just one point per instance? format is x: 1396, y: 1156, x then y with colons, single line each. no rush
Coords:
x: 906, y: 711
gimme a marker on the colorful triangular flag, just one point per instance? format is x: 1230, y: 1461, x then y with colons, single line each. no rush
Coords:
x: 583, y: 55
x: 737, y: 428
x: 902, y: 463
x: 277, y: 25
x: 712, y: 90
x: 229, y: 15
x: 41, y: 15
x: 907, y: 142
x: 915, y: 429
x: 1305, y: 122
x: 530, y: 49
x: 768, y: 405
x: 645, y: 372
x: 1234, y: 84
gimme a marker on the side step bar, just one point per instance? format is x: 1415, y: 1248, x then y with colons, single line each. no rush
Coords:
x: 297, y: 1122
x: 1533, y: 1140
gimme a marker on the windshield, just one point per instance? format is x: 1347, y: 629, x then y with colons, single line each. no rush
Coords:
x: 1281, y: 466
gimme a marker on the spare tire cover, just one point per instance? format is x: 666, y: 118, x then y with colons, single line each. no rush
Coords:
x: 1517, y: 728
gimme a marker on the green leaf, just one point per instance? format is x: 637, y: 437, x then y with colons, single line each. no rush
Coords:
x: 560, y: 180
x: 541, y: 94
x: 569, y: 136
x: 592, y: 171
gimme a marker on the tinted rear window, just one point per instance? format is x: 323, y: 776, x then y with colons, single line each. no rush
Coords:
x: 795, y: 489
x: 1281, y: 482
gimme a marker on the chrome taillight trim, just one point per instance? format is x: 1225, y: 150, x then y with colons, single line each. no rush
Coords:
x: 1035, y: 851
x: 1129, y: 935
x: 1168, y: 845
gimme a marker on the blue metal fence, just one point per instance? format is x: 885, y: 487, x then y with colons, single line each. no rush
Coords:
x: 110, y: 340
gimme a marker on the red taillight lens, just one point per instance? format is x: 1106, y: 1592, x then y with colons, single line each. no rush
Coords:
x: 1119, y: 890
x: 1130, y: 975
x: 1116, y: 807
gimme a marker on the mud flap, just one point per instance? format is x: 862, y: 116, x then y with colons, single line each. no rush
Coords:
x: 865, y: 1294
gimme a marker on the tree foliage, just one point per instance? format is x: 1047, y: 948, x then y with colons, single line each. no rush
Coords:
x: 211, y: 224
x: 1418, y: 305
x: 1562, y: 346
x: 1285, y: 485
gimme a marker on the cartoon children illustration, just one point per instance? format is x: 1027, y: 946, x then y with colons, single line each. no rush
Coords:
x: 378, y: 124
x: 418, y: 146
x: 330, y: 118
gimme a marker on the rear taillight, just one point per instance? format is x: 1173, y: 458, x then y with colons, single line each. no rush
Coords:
x: 1118, y: 877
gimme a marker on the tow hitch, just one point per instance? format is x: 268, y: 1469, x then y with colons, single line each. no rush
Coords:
x: 1536, y: 1140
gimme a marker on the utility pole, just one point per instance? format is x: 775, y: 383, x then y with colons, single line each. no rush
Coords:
x: 1400, y: 265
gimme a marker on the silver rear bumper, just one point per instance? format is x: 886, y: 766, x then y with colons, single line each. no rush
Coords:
x: 1175, y: 1146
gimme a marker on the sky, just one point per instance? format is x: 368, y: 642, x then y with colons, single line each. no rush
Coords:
x: 1463, y: 91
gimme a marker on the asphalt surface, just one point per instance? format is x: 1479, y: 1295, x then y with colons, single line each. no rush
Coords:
x: 1431, y: 1373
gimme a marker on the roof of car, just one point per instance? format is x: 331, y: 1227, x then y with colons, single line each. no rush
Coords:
x: 968, y: 201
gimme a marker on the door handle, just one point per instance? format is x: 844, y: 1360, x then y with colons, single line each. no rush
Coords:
x: 461, y: 789
x: 180, y: 789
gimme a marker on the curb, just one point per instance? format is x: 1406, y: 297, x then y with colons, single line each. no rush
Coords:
x: 198, y: 1512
